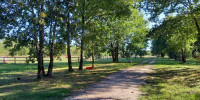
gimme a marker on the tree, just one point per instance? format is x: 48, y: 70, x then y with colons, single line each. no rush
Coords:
x: 29, y: 25
x: 69, y: 36
x: 159, y: 46
x: 44, y: 26
x: 91, y: 10
x: 127, y: 34
x: 178, y: 33
x: 188, y: 7
x: 53, y: 21
x: 95, y: 39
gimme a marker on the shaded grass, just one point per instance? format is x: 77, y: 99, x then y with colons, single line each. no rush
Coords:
x: 173, y: 80
x: 62, y: 84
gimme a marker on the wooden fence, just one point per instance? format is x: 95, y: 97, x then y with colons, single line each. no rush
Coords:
x: 25, y: 59
x: 75, y: 59
x: 105, y: 57
x: 64, y: 59
x: 13, y: 59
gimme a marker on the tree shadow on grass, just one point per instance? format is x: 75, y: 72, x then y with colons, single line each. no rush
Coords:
x: 179, y: 76
x: 189, y: 75
x: 167, y: 61
x: 51, y: 88
x: 30, y: 93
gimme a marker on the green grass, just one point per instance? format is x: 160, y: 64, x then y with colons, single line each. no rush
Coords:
x: 62, y: 84
x: 173, y: 80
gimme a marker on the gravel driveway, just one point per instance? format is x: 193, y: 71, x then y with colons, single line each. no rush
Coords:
x: 123, y: 85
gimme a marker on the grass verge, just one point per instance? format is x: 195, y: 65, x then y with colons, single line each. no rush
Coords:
x: 173, y: 80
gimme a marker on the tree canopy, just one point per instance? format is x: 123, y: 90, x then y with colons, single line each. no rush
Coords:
x: 46, y: 26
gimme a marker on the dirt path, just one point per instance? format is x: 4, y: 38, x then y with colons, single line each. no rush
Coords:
x: 123, y: 85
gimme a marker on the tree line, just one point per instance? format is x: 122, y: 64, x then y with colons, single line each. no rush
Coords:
x: 46, y: 27
x: 178, y: 35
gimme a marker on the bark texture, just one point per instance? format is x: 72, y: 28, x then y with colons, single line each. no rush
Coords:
x: 41, y: 45
x: 69, y: 41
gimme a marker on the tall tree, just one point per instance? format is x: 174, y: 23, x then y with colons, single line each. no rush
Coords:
x: 53, y: 21
x: 178, y: 33
x: 23, y: 26
x: 29, y: 25
x: 41, y: 17
x: 159, y: 46
x: 69, y: 36
x: 83, y: 31
x: 132, y: 26
x: 189, y: 7
x: 90, y: 10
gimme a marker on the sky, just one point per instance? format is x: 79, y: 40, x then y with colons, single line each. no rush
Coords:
x: 151, y: 24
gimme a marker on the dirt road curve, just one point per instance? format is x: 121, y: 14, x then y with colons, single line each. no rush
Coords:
x: 123, y: 85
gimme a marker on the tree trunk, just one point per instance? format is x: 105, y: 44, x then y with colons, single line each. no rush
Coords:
x: 123, y: 51
x: 51, y: 42
x: 175, y: 57
x: 50, y: 68
x: 81, y: 57
x: 37, y: 53
x: 117, y: 55
x: 39, y: 68
x: 36, y: 45
x: 83, y: 31
x: 43, y: 71
x: 41, y: 45
x: 183, y: 55
x: 162, y: 55
x: 196, y: 22
x: 69, y: 41
x: 197, y: 26
x: 49, y: 73
x: 117, y: 52
x: 92, y: 54
x: 112, y: 51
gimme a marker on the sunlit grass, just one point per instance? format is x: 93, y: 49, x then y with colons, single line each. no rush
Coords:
x: 173, y: 80
x: 62, y: 84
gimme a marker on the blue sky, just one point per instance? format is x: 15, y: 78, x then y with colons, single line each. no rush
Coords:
x: 151, y: 24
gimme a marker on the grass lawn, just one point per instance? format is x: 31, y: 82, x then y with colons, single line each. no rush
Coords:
x: 173, y: 80
x: 62, y: 84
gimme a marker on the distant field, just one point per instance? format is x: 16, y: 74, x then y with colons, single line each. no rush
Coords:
x: 62, y: 84
x: 173, y: 80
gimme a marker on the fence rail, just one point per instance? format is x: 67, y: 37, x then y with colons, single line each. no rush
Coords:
x: 13, y: 59
x: 64, y: 59
x: 25, y: 59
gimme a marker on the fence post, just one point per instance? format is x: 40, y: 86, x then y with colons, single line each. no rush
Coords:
x: 3, y: 59
x: 15, y: 60
x: 26, y: 61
